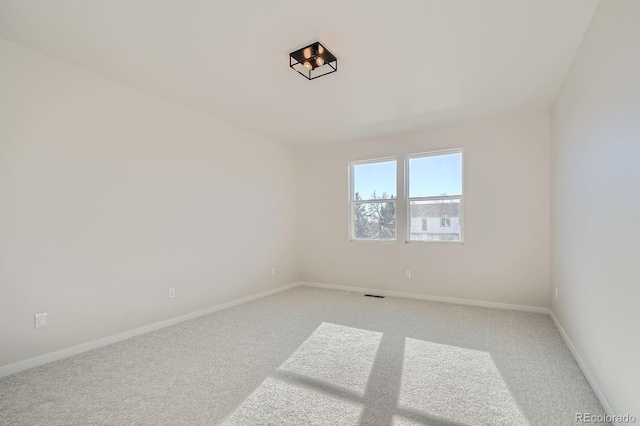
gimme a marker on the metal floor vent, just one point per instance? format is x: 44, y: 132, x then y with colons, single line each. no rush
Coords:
x: 374, y: 295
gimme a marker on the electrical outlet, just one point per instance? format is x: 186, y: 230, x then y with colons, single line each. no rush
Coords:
x: 273, y: 271
x: 41, y: 320
x: 407, y: 274
x: 172, y: 293
x: 556, y: 292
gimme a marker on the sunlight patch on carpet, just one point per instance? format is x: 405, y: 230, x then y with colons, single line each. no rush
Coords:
x: 338, y: 355
x: 276, y: 402
x: 456, y: 384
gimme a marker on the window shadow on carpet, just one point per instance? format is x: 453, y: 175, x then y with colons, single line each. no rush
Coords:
x: 349, y: 376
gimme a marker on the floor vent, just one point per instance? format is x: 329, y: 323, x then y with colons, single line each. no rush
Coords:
x: 374, y: 295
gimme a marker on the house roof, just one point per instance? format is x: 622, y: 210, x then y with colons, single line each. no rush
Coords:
x: 435, y: 209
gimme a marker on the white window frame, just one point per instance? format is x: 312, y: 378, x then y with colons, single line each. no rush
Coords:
x: 353, y: 202
x: 408, y: 199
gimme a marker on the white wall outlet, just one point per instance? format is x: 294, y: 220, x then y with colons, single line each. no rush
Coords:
x: 273, y: 271
x: 556, y: 292
x: 41, y: 320
x: 172, y: 293
x: 407, y: 274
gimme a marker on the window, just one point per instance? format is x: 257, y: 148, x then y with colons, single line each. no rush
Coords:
x: 373, y: 201
x: 434, y: 201
x: 433, y: 197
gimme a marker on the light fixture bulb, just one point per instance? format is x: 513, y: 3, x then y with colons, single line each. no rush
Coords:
x: 308, y: 65
x: 319, y: 61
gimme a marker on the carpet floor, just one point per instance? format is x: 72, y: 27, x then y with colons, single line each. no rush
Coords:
x: 309, y: 356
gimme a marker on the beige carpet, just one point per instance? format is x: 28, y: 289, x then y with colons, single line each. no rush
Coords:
x: 317, y: 357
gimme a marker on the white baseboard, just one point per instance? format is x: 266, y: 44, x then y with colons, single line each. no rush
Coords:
x: 94, y: 344
x: 525, y: 308
x: 84, y: 347
x: 594, y: 385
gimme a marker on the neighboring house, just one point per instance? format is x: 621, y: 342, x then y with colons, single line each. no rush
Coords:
x: 435, y: 221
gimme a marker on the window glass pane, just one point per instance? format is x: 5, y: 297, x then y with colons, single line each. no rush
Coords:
x: 374, y: 221
x: 435, y: 220
x: 374, y: 181
x: 435, y: 175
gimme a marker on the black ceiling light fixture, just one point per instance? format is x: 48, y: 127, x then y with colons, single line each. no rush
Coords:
x: 313, y: 61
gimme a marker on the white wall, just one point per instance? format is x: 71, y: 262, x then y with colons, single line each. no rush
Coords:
x: 108, y: 197
x: 596, y: 175
x: 505, y: 257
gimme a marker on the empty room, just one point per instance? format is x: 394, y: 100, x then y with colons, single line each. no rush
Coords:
x: 340, y: 213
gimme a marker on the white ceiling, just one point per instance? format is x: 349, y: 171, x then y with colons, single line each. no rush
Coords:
x: 403, y: 64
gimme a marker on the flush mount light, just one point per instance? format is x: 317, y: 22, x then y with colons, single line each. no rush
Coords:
x: 313, y: 61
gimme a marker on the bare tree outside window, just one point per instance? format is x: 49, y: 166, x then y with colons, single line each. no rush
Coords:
x: 375, y: 220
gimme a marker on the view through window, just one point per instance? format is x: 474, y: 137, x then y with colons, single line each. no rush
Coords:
x: 373, y: 200
x: 435, y: 197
